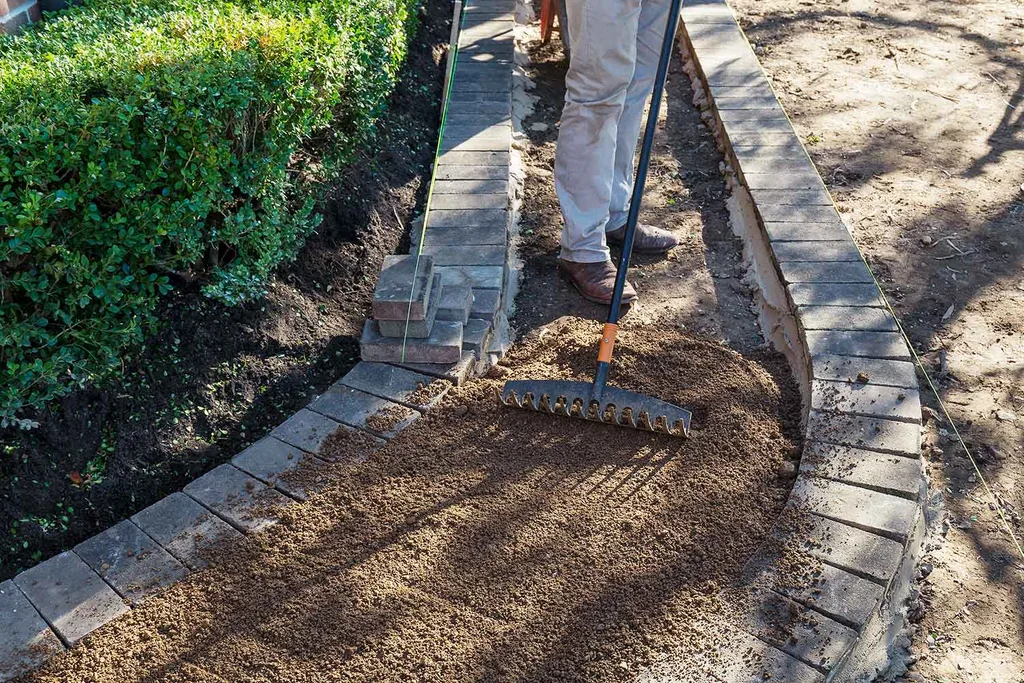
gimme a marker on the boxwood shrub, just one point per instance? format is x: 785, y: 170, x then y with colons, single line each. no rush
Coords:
x: 144, y: 138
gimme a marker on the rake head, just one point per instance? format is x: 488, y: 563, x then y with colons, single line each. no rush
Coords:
x: 614, y: 406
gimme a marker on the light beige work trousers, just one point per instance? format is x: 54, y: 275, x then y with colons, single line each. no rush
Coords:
x: 615, y: 49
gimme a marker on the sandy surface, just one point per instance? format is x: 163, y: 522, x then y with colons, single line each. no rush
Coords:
x: 489, y: 543
x: 914, y: 114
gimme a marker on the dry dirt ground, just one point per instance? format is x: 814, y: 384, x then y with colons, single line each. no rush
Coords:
x: 914, y: 113
x: 698, y: 288
x: 487, y: 543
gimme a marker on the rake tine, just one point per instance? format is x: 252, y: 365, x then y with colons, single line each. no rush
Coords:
x: 615, y: 407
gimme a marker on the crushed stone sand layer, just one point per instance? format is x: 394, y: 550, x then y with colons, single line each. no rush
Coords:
x: 490, y: 543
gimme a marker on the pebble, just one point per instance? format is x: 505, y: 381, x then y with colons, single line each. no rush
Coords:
x: 787, y: 470
x: 539, y: 127
x: 497, y: 372
x: 1005, y: 416
x: 927, y: 240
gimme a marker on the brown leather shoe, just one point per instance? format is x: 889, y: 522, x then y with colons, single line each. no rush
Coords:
x: 595, y: 281
x: 648, y: 239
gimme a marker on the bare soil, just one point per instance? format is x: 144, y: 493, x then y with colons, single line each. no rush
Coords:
x: 914, y: 113
x: 490, y: 543
x: 217, y: 378
x: 699, y: 287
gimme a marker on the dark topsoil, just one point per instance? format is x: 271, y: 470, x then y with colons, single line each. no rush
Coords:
x: 487, y: 543
x: 215, y: 378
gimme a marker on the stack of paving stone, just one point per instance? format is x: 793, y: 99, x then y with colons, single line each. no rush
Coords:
x: 443, y: 310
x: 420, y: 319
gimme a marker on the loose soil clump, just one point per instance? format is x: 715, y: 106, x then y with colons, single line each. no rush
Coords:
x: 386, y: 420
x: 491, y: 543
x: 426, y: 394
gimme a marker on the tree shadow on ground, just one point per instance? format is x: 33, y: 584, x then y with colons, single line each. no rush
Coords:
x: 499, y: 545
x: 983, y: 261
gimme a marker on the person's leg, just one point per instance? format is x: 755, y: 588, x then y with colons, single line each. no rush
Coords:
x: 604, y: 44
x: 649, y: 38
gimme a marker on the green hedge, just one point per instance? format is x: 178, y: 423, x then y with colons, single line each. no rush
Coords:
x: 144, y: 138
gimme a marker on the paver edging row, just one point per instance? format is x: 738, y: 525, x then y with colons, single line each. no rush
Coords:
x: 50, y: 607
x: 856, y: 506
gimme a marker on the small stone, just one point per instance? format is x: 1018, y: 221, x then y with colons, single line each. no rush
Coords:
x: 539, y: 127
x: 787, y: 470
x: 461, y: 411
x: 927, y: 240
x: 928, y: 413
x: 996, y: 453
x: 1005, y: 416
x: 916, y: 614
x: 497, y: 372
x: 863, y: 378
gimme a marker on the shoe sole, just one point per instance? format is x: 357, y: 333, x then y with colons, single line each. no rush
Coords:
x: 593, y: 299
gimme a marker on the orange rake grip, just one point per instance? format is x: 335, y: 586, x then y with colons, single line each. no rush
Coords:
x: 604, y: 352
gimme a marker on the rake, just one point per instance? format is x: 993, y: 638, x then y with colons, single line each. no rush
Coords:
x: 596, y: 401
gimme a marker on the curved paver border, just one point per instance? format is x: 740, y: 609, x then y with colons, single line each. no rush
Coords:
x: 52, y: 606
x: 824, y: 594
